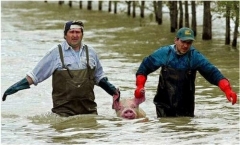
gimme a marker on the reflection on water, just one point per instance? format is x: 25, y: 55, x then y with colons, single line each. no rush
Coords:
x: 28, y: 32
x: 70, y: 128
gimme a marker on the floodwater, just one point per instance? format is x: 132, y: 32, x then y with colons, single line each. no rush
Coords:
x: 30, y: 29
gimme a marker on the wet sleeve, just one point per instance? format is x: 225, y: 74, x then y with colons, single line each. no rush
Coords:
x: 45, y: 67
x: 152, y: 62
x: 210, y: 72
x: 99, y: 73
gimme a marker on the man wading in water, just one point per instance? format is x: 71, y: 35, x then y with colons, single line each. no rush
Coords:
x: 176, y: 88
x: 75, y: 69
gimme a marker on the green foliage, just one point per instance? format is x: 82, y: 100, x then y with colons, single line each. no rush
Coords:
x: 221, y: 7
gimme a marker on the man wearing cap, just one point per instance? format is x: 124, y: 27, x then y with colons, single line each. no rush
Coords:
x: 75, y: 69
x: 176, y: 87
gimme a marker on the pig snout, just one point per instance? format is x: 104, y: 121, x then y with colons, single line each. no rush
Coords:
x: 129, y: 114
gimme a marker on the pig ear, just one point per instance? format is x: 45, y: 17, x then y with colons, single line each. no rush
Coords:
x: 117, y: 106
x: 138, y: 101
x: 116, y: 96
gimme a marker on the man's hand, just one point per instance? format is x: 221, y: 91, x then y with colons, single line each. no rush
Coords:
x: 23, y: 84
x: 140, y: 91
x: 231, y: 96
x: 224, y: 85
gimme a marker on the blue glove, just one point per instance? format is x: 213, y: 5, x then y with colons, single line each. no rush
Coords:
x: 108, y: 87
x: 23, y: 84
x: 111, y: 90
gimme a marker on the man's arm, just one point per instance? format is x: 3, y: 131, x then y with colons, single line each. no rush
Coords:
x: 20, y: 85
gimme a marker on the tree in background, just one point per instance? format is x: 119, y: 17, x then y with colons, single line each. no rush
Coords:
x: 173, y: 15
x: 109, y: 6
x: 207, y: 21
x: 100, y: 5
x: 128, y: 7
x: 186, y: 14
x: 134, y: 9
x: 115, y: 7
x: 194, y: 18
x: 158, y: 11
x: 229, y: 10
x: 142, y: 7
x: 89, y: 5
x: 180, y: 15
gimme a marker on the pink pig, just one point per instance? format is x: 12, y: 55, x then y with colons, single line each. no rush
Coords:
x: 128, y: 109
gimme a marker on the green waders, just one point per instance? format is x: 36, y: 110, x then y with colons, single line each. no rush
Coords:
x: 175, y: 93
x: 73, y: 90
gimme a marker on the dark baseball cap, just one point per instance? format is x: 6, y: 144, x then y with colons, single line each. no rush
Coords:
x: 68, y: 25
x: 185, y: 34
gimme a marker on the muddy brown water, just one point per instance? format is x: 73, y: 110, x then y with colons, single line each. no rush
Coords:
x: 30, y: 29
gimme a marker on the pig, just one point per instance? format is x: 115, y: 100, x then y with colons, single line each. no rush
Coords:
x: 128, y: 109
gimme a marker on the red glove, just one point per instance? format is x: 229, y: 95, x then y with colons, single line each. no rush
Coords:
x: 224, y: 85
x: 140, y: 91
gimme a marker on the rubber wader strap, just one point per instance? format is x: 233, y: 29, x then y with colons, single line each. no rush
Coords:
x: 61, y: 55
x: 168, y: 57
x: 161, y: 81
x: 62, y: 60
x: 189, y: 64
x: 88, y: 66
x: 190, y: 71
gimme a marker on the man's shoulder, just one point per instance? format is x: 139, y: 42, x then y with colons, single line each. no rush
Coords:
x: 52, y: 50
x: 166, y: 48
x: 90, y: 48
x: 194, y: 50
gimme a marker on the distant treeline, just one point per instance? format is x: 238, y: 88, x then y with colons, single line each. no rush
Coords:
x: 179, y: 14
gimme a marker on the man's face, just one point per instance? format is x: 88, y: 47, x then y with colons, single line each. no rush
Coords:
x: 74, y: 37
x: 182, y: 46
